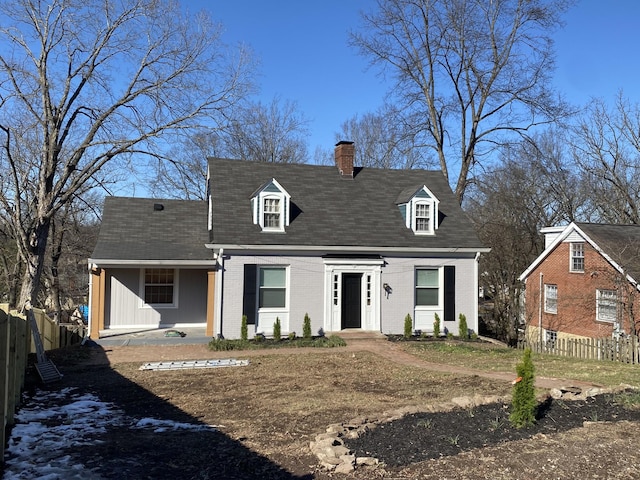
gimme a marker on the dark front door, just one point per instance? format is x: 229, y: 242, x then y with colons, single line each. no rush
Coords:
x: 351, y: 300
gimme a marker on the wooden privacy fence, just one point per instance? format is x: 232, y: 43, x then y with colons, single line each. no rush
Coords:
x: 16, y: 342
x: 622, y: 349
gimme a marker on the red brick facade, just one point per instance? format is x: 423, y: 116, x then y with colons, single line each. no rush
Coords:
x: 577, y: 294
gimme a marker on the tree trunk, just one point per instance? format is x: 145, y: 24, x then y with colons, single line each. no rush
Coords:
x: 34, y: 264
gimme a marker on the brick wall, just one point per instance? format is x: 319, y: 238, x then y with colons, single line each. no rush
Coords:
x: 576, y: 311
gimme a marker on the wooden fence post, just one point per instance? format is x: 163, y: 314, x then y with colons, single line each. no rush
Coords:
x: 5, y: 332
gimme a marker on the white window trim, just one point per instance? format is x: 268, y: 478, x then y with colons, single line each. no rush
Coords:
x: 432, y: 202
x: 285, y: 207
x: 599, y: 297
x: 440, y: 304
x: 176, y: 284
x: 572, y: 256
x: 286, y: 293
x: 264, y: 213
x: 547, y: 288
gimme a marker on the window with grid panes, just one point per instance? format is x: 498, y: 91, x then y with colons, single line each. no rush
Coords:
x: 607, y: 305
x: 423, y: 217
x: 271, y: 213
x: 577, y: 257
x: 158, y: 286
x: 551, y: 298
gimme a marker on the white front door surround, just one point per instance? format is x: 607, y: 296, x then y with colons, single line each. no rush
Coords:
x: 370, y: 269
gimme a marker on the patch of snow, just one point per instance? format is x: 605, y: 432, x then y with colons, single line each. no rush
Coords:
x: 51, y: 422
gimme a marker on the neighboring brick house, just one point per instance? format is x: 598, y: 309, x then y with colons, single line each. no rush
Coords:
x: 587, y: 275
x: 351, y: 247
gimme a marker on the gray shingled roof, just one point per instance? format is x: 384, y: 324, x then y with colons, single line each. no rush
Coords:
x: 333, y: 211
x: 620, y: 242
x: 132, y: 230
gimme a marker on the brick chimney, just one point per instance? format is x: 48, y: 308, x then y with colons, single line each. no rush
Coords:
x: 344, y: 153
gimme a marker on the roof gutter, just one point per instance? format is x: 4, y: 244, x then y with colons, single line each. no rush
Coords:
x: 344, y: 248
x: 111, y: 262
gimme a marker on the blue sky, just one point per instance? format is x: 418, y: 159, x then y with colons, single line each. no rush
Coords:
x: 302, y: 46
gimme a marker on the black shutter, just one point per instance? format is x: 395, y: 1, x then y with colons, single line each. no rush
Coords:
x: 449, y: 294
x: 249, y: 293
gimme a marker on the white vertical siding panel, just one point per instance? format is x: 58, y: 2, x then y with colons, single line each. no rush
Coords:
x: 126, y: 308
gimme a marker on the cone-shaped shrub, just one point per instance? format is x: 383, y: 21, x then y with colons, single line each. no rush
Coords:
x: 276, y: 330
x: 244, y: 332
x: 463, y: 329
x: 524, y: 404
x: 436, y: 326
x: 306, y: 327
x: 408, y: 326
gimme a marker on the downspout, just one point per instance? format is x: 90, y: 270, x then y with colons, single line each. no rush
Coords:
x: 540, y: 307
x: 477, y: 291
x: 89, y: 306
x: 219, y: 282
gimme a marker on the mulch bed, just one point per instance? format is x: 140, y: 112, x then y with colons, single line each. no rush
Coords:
x: 423, y: 436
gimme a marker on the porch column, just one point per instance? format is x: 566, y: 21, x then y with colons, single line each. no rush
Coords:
x: 97, y: 302
x: 211, y: 283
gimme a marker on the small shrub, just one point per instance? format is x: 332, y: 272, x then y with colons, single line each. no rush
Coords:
x: 306, y: 327
x: 259, y: 337
x: 450, y: 335
x: 408, y: 326
x: 462, y: 327
x: 244, y: 331
x: 277, y: 333
x: 224, y: 345
x: 292, y: 335
x: 331, y: 341
x: 436, y: 326
x: 523, y: 403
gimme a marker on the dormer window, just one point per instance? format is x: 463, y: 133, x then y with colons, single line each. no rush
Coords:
x: 423, y: 218
x: 270, y: 205
x: 271, y: 212
x: 419, y: 208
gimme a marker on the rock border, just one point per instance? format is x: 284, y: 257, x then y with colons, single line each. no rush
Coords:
x: 334, y: 456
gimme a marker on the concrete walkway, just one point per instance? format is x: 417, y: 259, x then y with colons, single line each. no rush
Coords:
x: 154, y: 346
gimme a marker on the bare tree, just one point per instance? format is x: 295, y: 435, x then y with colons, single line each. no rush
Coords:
x: 268, y: 133
x: 85, y: 83
x: 382, y: 140
x: 531, y: 187
x: 468, y: 73
x: 258, y: 132
x: 183, y: 173
x: 606, y: 146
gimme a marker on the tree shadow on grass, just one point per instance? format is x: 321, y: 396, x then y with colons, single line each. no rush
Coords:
x: 123, y: 452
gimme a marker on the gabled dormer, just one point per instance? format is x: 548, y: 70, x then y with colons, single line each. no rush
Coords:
x: 419, y: 208
x: 271, y: 205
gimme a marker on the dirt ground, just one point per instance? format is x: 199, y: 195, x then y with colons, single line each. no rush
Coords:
x: 268, y: 412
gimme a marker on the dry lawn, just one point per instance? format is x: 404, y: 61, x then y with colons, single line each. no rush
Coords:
x: 278, y: 403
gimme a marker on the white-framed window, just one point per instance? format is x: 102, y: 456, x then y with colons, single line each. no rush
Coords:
x: 270, y: 205
x: 427, y: 287
x: 420, y: 211
x: 160, y: 286
x: 272, y: 214
x: 422, y: 217
x: 577, y: 257
x: 550, y: 298
x: 272, y: 286
x: 606, y: 305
